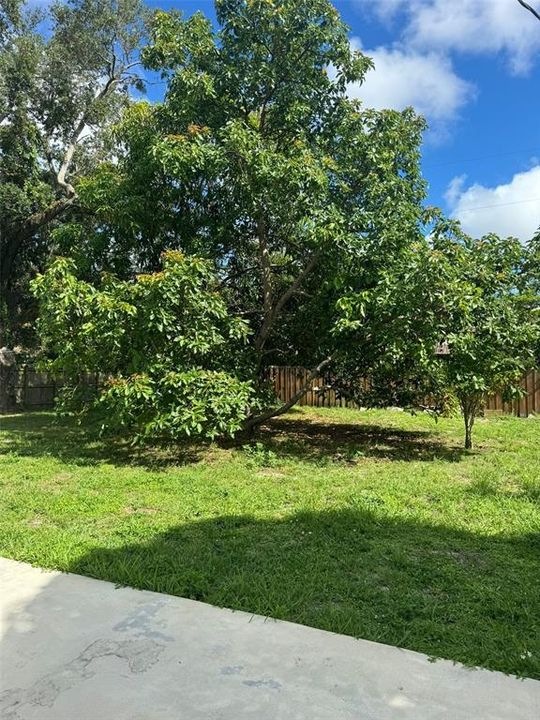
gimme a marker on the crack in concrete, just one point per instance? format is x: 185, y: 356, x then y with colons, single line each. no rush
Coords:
x: 272, y: 684
x: 139, y: 654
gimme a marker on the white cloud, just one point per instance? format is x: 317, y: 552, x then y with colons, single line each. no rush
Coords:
x: 384, y: 9
x: 511, y: 209
x: 404, y: 77
x: 454, y: 190
x: 468, y: 26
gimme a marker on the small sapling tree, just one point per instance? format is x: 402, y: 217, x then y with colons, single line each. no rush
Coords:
x: 492, y: 323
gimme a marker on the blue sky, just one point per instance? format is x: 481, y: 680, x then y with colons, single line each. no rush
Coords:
x: 472, y: 67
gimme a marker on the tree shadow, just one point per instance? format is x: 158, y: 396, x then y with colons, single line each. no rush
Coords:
x: 293, y: 437
x: 41, y: 434
x: 321, y: 442
x: 441, y: 591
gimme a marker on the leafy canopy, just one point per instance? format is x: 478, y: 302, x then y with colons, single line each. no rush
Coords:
x: 259, y: 161
x: 308, y: 210
x: 65, y: 73
x: 164, y: 344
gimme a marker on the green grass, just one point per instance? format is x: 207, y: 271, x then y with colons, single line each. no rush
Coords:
x: 374, y: 524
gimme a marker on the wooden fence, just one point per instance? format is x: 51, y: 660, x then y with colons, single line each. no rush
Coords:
x: 37, y: 390
x: 289, y: 380
x: 529, y: 404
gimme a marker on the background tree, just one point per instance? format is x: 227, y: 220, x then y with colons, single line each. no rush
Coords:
x: 453, y: 318
x: 532, y: 275
x: 493, y: 323
x: 64, y: 77
x: 9, y: 17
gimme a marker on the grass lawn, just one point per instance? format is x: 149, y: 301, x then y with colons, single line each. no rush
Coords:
x: 374, y: 524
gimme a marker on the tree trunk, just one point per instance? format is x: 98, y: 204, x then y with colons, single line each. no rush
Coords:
x: 272, y: 306
x: 8, y: 380
x: 468, y: 433
x: 469, y: 408
x: 266, y: 283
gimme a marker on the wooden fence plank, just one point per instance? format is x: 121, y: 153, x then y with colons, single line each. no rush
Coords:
x: 37, y: 390
x: 288, y: 380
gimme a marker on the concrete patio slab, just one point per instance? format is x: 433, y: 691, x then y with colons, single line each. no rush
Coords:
x: 74, y: 648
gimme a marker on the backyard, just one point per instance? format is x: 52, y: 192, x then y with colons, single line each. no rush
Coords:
x: 375, y: 524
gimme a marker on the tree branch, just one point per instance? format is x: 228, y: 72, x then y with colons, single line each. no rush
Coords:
x: 529, y: 8
x: 286, y: 296
x: 107, y: 88
x: 272, y: 313
x: 266, y: 276
x: 235, y: 275
x: 253, y: 421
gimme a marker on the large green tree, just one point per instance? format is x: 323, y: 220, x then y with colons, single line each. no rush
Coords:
x: 309, y: 210
x: 64, y: 77
x: 259, y: 161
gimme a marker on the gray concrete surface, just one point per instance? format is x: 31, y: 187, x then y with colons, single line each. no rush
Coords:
x: 74, y: 648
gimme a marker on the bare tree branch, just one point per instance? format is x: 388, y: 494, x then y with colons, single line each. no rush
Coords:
x: 107, y: 88
x: 275, y: 412
x: 293, y: 288
x: 530, y: 9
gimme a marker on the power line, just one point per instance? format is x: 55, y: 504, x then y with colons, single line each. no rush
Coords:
x: 482, y: 157
x: 485, y: 207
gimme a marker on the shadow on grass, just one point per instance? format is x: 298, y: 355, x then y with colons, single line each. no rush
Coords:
x: 300, y: 438
x: 317, y: 441
x: 444, y: 592
x: 42, y: 434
